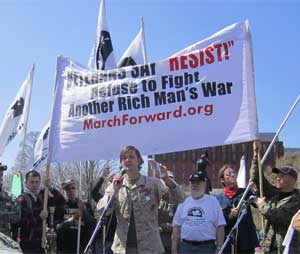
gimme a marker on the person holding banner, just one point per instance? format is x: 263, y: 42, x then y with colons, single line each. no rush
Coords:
x: 67, y: 228
x: 136, y: 205
x: 278, y: 206
x: 246, y: 238
x: 32, y: 213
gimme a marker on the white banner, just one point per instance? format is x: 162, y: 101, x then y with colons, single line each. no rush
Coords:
x: 15, y: 119
x: 203, y: 98
x: 41, y: 148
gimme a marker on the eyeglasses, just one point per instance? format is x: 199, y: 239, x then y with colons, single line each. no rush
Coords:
x: 71, y: 188
x: 230, y: 174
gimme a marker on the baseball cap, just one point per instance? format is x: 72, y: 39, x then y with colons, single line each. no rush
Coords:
x: 198, y: 177
x: 3, y: 167
x: 286, y: 170
x: 67, y: 183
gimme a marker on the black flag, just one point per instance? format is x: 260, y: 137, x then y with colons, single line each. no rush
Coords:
x: 104, y: 49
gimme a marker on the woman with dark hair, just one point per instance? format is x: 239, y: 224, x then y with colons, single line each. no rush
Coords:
x: 245, y: 239
x: 136, y: 205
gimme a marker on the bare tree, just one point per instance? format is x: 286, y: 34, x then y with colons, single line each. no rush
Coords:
x: 25, y: 156
x: 91, y: 171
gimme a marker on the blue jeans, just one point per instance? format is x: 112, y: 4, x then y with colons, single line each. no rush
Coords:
x: 203, y: 248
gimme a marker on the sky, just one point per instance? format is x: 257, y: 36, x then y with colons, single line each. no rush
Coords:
x: 37, y: 32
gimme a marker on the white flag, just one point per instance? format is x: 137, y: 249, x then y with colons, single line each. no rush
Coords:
x: 41, y: 148
x: 241, y: 177
x: 186, y: 97
x: 102, y: 56
x: 15, y: 119
x: 136, y: 52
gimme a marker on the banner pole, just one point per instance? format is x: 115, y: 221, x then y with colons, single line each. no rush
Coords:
x: 144, y: 41
x: 261, y: 187
x: 46, y: 193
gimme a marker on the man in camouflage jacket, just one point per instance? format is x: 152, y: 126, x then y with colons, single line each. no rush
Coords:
x: 278, y: 206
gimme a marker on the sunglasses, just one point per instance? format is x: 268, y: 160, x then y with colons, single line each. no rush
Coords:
x: 230, y: 174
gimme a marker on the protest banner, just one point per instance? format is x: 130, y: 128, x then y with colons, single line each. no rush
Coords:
x: 202, y: 97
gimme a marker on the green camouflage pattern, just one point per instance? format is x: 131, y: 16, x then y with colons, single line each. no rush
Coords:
x: 278, y: 214
x: 144, y: 198
x: 10, y: 213
x: 166, y: 211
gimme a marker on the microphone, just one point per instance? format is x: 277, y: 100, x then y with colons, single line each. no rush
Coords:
x: 251, y: 199
x: 123, y: 171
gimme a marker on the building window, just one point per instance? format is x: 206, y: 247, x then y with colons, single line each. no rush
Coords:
x: 213, y: 176
x: 224, y: 156
x: 174, y: 158
x: 275, y: 151
x: 184, y: 155
x: 213, y: 155
x: 234, y: 152
x: 244, y: 147
x: 265, y: 147
x: 165, y: 156
x: 174, y: 169
x: 183, y: 169
x: 194, y: 155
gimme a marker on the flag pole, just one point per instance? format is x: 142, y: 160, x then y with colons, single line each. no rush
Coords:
x: 279, y: 129
x: 270, y: 146
x: 261, y: 187
x: 26, y: 121
x: 261, y: 161
x: 144, y: 41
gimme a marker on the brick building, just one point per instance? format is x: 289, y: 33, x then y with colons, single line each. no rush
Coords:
x: 183, y: 163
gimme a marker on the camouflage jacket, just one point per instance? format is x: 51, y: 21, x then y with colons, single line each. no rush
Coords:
x: 278, y: 212
x: 10, y: 213
x: 166, y: 211
x: 143, y: 197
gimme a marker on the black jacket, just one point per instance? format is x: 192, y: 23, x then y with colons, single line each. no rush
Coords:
x: 246, y: 240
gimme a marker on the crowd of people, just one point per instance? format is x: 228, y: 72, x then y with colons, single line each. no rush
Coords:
x: 151, y: 214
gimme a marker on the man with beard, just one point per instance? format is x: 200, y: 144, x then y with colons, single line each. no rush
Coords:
x: 198, y: 221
